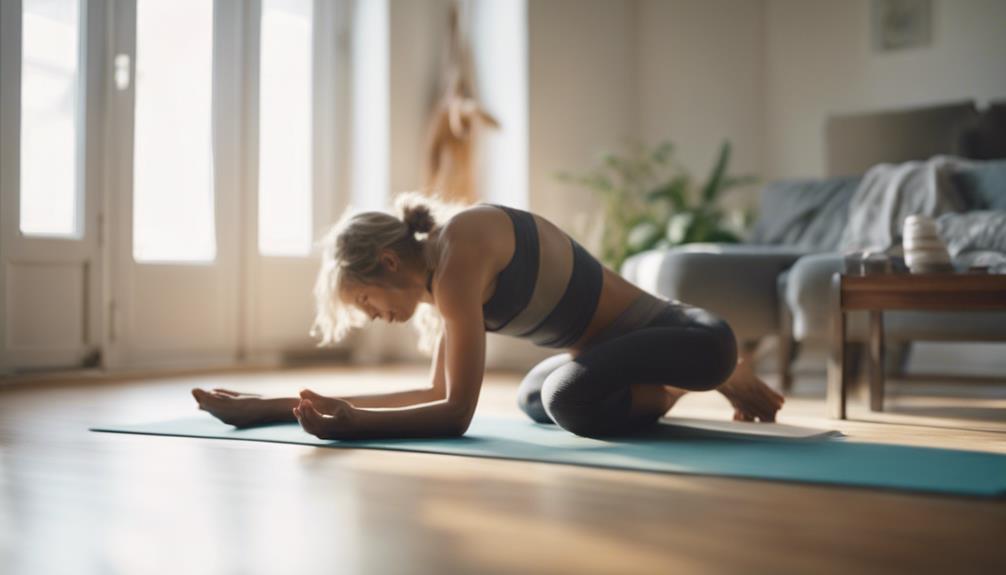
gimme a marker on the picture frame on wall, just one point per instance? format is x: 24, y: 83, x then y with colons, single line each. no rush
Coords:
x: 901, y: 24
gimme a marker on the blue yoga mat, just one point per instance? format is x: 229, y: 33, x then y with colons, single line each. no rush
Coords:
x: 664, y: 448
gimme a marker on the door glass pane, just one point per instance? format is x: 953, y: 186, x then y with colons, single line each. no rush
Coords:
x: 501, y: 56
x: 284, y: 180
x: 49, y: 106
x: 173, y: 215
x: 371, y: 96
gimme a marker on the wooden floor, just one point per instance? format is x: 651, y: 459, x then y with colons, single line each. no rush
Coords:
x: 78, y: 502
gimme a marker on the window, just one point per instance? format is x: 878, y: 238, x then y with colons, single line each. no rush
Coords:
x: 173, y: 213
x: 50, y: 103
x: 285, y: 134
x: 499, y: 33
x: 371, y: 127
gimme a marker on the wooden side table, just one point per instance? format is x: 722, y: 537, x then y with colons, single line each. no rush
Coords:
x: 881, y: 292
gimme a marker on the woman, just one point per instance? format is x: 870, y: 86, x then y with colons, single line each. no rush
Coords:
x: 628, y: 355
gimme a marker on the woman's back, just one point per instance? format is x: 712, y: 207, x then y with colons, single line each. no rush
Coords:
x: 546, y: 287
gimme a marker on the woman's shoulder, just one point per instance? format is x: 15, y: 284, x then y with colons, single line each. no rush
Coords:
x: 473, y: 223
x: 474, y: 239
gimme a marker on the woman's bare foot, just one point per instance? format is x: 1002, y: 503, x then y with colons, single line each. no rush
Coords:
x: 673, y: 395
x: 650, y: 401
x: 751, y: 397
x: 244, y: 409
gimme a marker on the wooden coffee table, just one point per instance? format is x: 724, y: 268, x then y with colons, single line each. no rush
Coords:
x: 881, y: 292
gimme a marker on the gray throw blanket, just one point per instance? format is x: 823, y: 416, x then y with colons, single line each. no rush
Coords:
x: 976, y: 238
x: 891, y: 192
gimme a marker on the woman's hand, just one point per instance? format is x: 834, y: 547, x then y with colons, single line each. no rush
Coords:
x: 231, y: 407
x: 336, y: 422
x: 323, y: 403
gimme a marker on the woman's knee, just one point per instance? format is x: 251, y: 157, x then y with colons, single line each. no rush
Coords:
x: 529, y: 392
x: 529, y: 401
x: 718, y: 361
x: 726, y: 347
x: 722, y: 346
x: 583, y: 408
x: 707, y: 319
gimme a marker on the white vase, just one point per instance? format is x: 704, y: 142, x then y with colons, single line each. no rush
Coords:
x: 925, y: 251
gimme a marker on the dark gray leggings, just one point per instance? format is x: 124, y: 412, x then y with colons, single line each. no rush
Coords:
x: 684, y: 346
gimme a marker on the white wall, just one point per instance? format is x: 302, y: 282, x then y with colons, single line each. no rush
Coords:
x: 820, y: 61
x: 765, y: 74
x: 701, y: 81
x: 417, y: 33
x: 582, y: 96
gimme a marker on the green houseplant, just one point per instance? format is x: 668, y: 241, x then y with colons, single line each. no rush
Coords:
x: 651, y: 202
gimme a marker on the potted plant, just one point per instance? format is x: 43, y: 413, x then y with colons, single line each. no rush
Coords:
x: 651, y: 202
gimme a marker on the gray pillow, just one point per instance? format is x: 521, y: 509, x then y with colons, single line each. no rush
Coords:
x: 983, y: 184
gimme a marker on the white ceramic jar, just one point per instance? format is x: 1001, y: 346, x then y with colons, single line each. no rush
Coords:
x: 925, y: 251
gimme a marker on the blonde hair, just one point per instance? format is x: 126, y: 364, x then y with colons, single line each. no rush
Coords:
x: 350, y: 250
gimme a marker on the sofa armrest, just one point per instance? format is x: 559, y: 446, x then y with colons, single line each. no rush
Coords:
x: 736, y: 282
x: 808, y: 296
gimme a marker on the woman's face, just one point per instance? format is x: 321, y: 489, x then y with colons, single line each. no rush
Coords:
x: 392, y: 304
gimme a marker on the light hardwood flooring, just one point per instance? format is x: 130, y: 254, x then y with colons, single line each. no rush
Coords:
x: 77, y: 502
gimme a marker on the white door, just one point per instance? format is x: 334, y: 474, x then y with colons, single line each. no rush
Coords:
x: 175, y: 113
x: 50, y: 264
x: 179, y: 159
x: 226, y: 173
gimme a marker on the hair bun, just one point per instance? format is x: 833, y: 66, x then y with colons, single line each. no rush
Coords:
x: 418, y: 219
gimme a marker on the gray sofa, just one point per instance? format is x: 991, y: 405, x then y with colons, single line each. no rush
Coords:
x: 778, y: 284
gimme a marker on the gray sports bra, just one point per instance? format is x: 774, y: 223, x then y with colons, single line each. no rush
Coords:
x: 546, y: 294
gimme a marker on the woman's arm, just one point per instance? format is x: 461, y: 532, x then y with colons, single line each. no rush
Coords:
x: 247, y: 409
x: 464, y: 343
x: 450, y: 416
x: 436, y: 391
x: 463, y: 347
